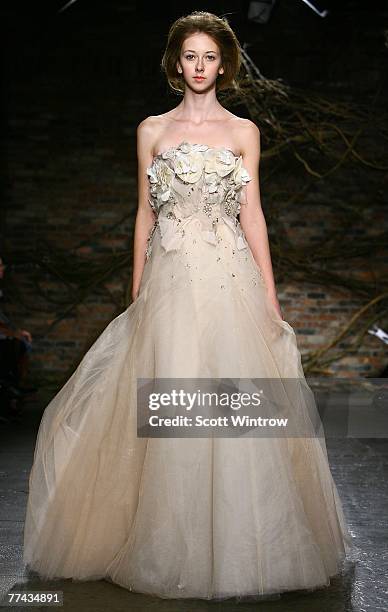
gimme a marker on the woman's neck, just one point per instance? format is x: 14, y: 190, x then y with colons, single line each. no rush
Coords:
x: 199, y: 108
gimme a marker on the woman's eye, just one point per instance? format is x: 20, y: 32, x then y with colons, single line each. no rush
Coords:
x: 209, y: 57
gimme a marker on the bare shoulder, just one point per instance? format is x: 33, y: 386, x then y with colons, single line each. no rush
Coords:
x: 149, y: 131
x: 147, y: 128
x: 146, y: 134
x: 152, y: 123
x: 246, y: 135
x: 248, y: 127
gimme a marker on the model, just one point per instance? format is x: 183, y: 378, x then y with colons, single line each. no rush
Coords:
x: 188, y: 517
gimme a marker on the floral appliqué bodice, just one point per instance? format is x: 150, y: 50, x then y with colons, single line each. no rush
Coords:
x: 196, y: 181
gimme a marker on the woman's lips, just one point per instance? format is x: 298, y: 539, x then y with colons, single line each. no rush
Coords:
x: 199, y: 78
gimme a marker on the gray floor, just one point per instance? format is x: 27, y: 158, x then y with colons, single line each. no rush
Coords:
x: 359, y: 467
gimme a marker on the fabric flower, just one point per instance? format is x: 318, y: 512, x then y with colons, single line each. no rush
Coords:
x: 161, y: 177
x: 189, y: 166
x: 240, y: 175
x: 212, y: 180
x: 187, y: 147
x: 219, y: 161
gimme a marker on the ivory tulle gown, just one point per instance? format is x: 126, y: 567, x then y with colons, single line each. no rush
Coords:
x: 178, y: 517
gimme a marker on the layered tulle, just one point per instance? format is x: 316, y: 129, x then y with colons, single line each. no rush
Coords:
x: 177, y: 517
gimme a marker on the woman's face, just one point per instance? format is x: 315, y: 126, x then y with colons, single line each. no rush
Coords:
x: 200, y: 57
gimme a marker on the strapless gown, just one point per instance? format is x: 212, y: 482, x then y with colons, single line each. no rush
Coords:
x: 201, y: 517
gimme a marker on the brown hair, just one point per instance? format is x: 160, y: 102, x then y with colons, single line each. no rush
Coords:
x: 220, y: 31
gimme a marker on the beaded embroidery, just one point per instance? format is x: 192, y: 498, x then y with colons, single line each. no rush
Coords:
x: 195, y: 180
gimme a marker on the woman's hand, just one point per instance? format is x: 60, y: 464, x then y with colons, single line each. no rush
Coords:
x: 275, y: 302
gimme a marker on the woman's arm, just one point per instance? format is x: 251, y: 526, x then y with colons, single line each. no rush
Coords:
x: 145, y: 216
x: 251, y: 215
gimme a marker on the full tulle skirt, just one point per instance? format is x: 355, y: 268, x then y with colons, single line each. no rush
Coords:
x: 209, y: 517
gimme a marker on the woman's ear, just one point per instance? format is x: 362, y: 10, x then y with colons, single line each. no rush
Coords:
x: 179, y: 68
